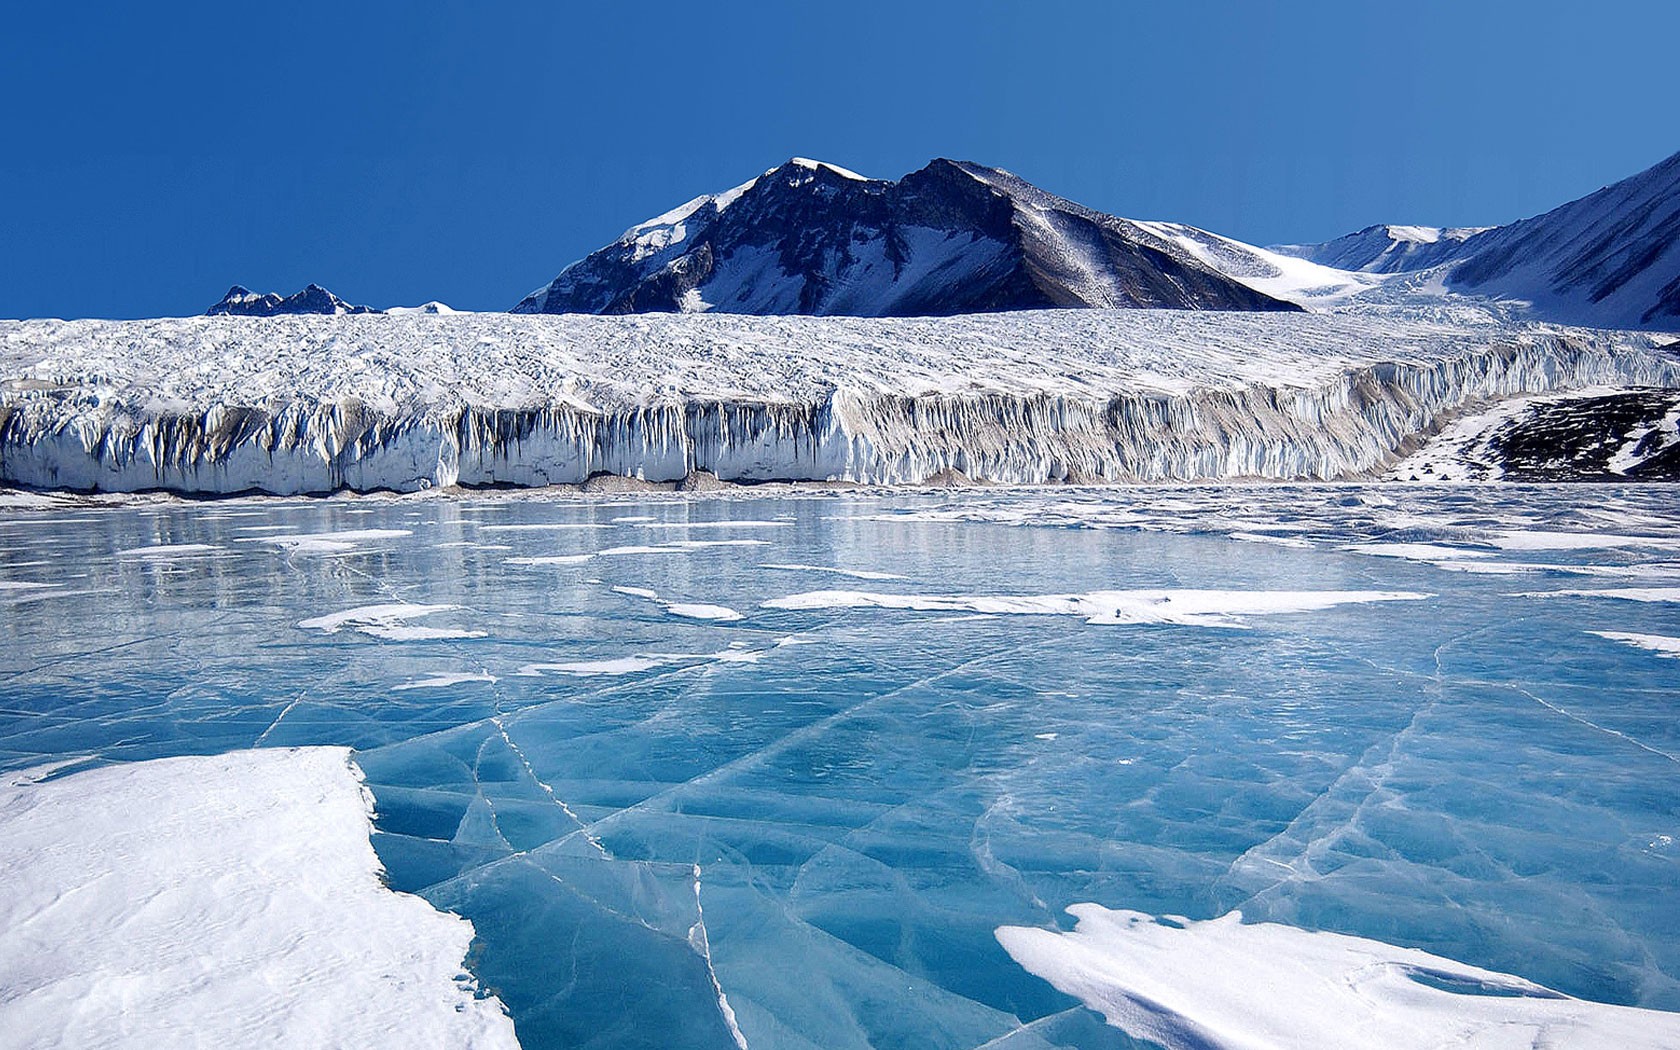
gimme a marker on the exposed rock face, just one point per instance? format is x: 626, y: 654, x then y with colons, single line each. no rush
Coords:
x: 952, y: 238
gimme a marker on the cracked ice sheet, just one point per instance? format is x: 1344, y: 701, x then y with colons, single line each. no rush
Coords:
x: 1198, y: 608
x: 1223, y: 985
x: 220, y: 901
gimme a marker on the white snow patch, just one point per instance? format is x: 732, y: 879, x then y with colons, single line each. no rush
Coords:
x: 549, y: 526
x: 388, y: 621
x: 1629, y: 594
x: 221, y: 901
x: 1666, y: 431
x: 591, y: 668
x: 1200, y: 608
x: 1430, y: 552
x: 444, y: 681
x: 701, y: 611
x: 686, y: 610
x: 1530, y: 540
x: 329, y: 542
x: 806, y: 162
x: 1661, y: 644
x: 856, y: 574
x: 1223, y: 985
x: 165, y: 551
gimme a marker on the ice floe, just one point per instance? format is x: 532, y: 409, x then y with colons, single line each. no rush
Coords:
x: 685, y: 610
x: 1224, y: 985
x: 444, y: 681
x: 1199, y: 608
x: 223, y: 901
x: 1627, y: 594
x: 388, y: 621
x: 701, y: 611
x: 330, y: 542
x: 166, y: 551
x: 856, y: 574
x: 1661, y: 644
x: 1429, y: 552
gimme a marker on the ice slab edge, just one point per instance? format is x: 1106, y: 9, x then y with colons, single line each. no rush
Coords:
x: 1224, y: 985
x: 231, y: 900
x: 1349, y: 422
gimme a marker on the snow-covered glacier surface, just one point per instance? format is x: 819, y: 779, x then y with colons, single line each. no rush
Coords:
x: 318, y: 404
x: 831, y: 771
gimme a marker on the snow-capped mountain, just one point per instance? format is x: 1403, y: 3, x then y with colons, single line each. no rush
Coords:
x: 955, y: 237
x: 1387, y: 249
x: 313, y: 299
x: 1610, y: 259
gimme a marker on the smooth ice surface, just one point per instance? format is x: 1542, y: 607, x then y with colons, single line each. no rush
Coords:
x: 1222, y: 985
x: 221, y: 901
x: 818, y: 816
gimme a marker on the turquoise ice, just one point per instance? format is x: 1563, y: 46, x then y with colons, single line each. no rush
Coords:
x: 773, y: 771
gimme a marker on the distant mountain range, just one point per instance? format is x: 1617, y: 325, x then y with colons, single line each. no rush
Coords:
x: 1387, y: 249
x: 242, y: 302
x: 313, y: 299
x: 956, y: 237
x: 1610, y: 259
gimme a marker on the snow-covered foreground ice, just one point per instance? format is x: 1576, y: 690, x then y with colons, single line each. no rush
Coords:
x: 1221, y: 984
x: 220, y: 901
x: 785, y: 792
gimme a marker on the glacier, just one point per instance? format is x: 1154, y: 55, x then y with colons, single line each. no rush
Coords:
x: 297, y: 404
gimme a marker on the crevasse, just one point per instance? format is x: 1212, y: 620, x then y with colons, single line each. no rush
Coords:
x: 1344, y: 422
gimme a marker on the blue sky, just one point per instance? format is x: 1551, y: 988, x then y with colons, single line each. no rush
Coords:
x: 398, y: 152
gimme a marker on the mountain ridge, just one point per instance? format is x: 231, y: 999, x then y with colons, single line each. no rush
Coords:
x: 313, y: 299
x: 1610, y: 258
x: 953, y: 237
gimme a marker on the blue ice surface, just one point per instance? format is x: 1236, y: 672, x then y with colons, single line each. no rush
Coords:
x: 829, y: 825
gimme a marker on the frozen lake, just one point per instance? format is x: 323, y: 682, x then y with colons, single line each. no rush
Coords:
x: 775, y: 771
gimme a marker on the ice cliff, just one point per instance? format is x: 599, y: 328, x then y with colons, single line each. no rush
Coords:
x: 316, y: 404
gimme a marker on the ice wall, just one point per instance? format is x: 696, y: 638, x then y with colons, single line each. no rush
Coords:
x: 1262, y: 415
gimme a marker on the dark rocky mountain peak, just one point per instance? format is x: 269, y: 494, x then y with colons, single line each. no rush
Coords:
x: 953, y: 237
x: 314, y: 299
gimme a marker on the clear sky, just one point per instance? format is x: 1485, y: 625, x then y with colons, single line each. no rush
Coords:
x: 152, y: 155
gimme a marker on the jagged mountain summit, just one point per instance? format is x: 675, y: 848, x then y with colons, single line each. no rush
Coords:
x: 1610, y: 259
x: 954, y: 237
x: 314, y: 299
